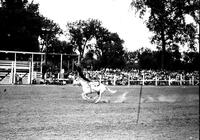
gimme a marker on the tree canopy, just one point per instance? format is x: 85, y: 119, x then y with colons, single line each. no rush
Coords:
x: 167, y: 21
x: 82, y: 32
x: 21, y: 24
x: 111, y: 50
x: 91, y: 35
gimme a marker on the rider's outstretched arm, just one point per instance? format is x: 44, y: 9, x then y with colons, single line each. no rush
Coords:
x: 78, y: 68
x: 83, y: 76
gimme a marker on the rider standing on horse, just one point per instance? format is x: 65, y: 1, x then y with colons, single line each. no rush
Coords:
x: 80, y: 72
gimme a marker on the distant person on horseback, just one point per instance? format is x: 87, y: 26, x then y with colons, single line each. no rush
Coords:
x: 92, y: 91
x: 80, y: 72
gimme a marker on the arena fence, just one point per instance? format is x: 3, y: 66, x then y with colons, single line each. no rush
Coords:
x: 129, y: 79
x: 143, y: 81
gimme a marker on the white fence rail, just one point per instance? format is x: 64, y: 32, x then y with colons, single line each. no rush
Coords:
x: 129, y: 79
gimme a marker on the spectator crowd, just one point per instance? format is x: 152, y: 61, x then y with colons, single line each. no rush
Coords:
x: 145, y: 77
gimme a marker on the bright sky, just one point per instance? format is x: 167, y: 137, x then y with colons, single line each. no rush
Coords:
x: 115, y: 15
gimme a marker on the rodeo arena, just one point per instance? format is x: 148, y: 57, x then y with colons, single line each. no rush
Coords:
x: 39, y: 104
x: 16, y: 71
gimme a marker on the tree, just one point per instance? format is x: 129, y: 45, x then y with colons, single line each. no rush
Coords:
x: 191, y: 61
x: 17, y: 25
x: 82, y: 32
x: 21, y: 24
x: 89, y: 61
x: 167, y: 21
x: 131, y: 59
x: 147, y: 59
x: 106, y: 46
x: 57, y: 46
x: 111, y: 50
x: 49, y: 34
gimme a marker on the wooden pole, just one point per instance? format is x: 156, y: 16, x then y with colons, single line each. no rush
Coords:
x: 72, y: 65
x: 181, y: 79
x: 61, y: 59
x: 156, y: 80
x: 32, y: 68
x: 143, y: 79
x: 138, y: 113
x: 41, y: 61
x: 14, y: 70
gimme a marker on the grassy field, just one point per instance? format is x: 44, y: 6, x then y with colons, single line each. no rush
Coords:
x: 51, y: 112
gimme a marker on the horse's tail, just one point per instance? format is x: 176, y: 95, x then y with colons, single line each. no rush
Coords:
x: 111, y: 91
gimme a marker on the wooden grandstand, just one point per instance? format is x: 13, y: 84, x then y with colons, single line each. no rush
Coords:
x: 17, y: 67
x: 14, y: 71
x: 6, y: 68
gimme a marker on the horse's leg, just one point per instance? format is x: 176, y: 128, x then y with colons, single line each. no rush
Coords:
x: 99, y: 98
x: 84, y: 96
x: 101, y: 89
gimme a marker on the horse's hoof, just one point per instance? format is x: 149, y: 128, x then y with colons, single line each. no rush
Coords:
x: 96, y: 101
x: 84, y: 98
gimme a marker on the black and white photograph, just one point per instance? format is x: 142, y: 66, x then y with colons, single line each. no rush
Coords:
x: 99, y: 69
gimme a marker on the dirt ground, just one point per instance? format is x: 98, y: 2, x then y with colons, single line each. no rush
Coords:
x: 49, y: 112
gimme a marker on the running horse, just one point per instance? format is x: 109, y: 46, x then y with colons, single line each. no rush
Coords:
x: 92, y: 91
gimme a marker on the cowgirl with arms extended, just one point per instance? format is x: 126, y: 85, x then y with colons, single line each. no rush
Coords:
x: 92, y: 91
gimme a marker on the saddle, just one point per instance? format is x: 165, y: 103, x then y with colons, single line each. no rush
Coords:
x: 94, y: 83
